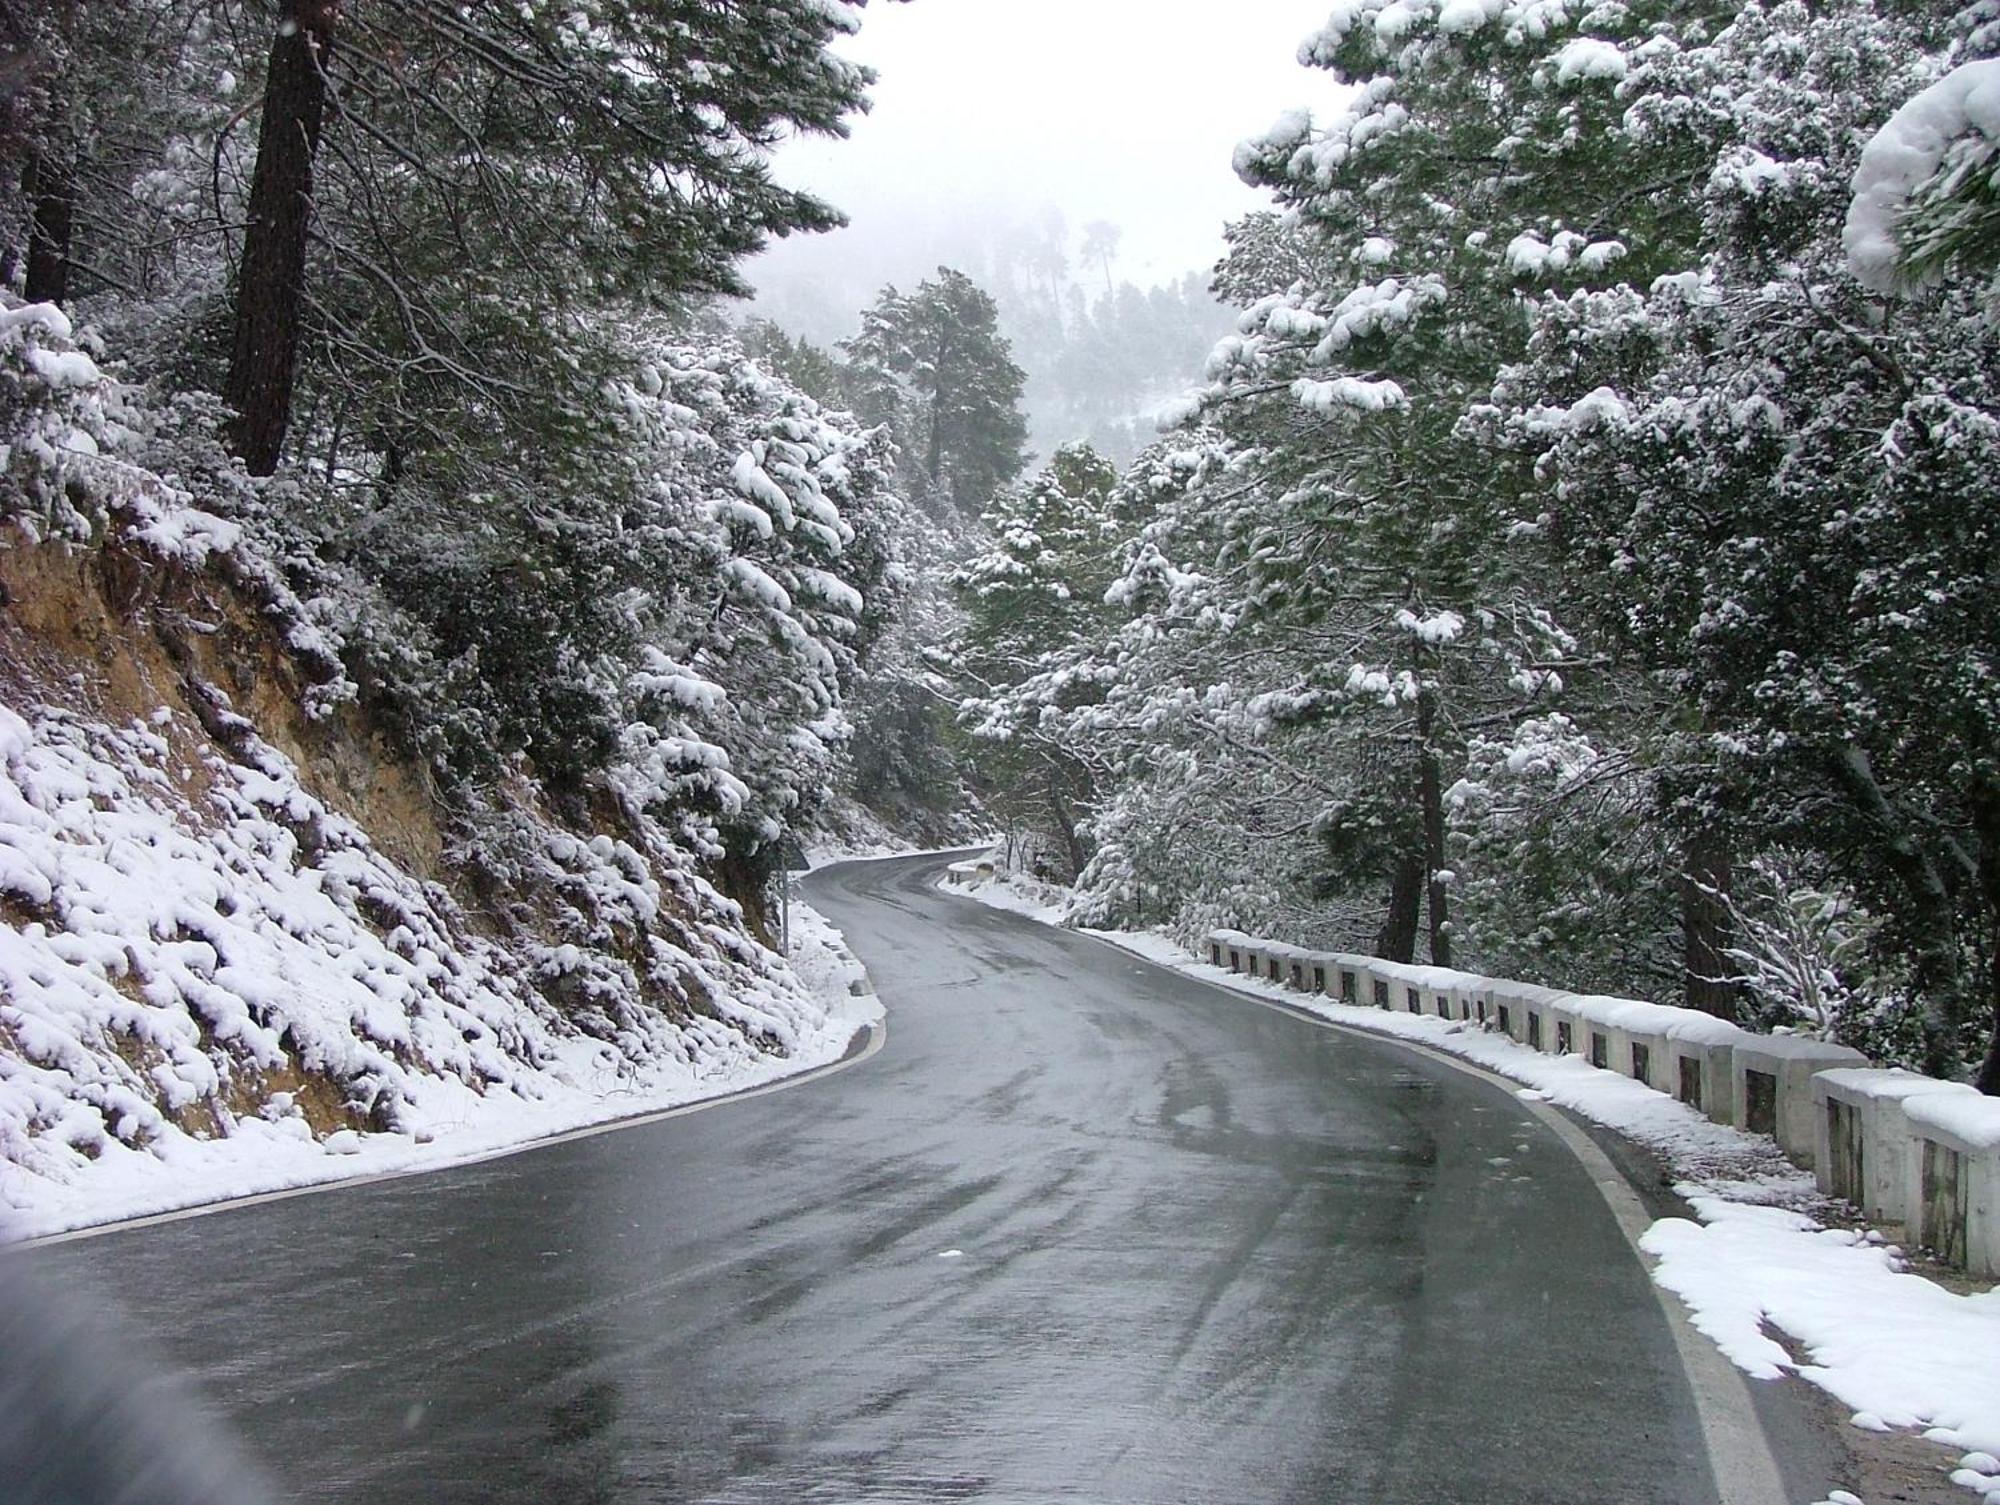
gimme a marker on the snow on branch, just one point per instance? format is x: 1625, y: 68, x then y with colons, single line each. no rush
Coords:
x: 1905, y: 157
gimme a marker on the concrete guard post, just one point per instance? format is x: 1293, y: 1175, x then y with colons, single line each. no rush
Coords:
x: 1469, y: 993
x: 1350, y: 979
x: 1865, y: 1148
x: 1543, y: 1019
x: 1388, y: 988
x: 1569, y: 1032
x: 1509, y: 1002
x: 1379, y: 989
x: 1441, y: 992
x: 1414, y: 987
x: 1455, y: 999
x: 1479, y: 993
x: 1701, y: 1061
x: 1771, y: 1088
x: 1622, y: 1035
x: 1454, y: 992
x: 1295, y: 965
x: 1321, y: 977
x: 1958, y: 1178
x: 1225, y: 948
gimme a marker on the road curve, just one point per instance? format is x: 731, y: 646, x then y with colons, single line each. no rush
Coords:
x: 1084, y: 1230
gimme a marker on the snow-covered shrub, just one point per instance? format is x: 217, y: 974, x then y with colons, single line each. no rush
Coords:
x: 71, y: 446
x: 1797, y: 944
x: 1560, y: 875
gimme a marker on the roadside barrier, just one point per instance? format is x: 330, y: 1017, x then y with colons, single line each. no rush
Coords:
x: 1867, y: 1148
x: 1903, y: 1149
x: 1772, y: 1088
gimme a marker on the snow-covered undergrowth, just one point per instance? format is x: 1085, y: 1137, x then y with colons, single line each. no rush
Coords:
x: 213, y: 984
x: 875, y: 846
x: 1899, y: 1349
x: 1017, y: 893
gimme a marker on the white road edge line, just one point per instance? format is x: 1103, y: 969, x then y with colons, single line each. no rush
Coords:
x: 878, y: 1034
x: 1739, y: 1454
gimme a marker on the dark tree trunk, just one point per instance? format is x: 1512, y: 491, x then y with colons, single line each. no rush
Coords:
x: 50, y: 186
x: 1928, y: 909
x: 395, y: 464
x: 270, y: 284
x: 1705, y: 927
x: 1430, y: 794
x: 1986, y: 821
x: 1396, y: 941
x: 1065, y: 819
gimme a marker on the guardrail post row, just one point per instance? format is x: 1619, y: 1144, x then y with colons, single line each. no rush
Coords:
x: 1903, y: 1148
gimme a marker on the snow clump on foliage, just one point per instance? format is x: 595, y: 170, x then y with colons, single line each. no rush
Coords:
x: 1904, y: 156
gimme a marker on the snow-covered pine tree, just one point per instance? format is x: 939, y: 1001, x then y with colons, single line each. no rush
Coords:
x: 1033, y: 600
x: 933, y: 365
x: 1468, y: 165
x: 1773, y: 490
x: 1200, y: 819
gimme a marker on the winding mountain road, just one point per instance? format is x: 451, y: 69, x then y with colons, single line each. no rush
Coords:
x: 1083, y: 1230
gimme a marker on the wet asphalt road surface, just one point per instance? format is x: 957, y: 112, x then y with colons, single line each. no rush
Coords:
x: 1084, y: 1230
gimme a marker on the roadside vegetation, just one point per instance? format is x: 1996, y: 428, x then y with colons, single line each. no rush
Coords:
x: 1579, y: 563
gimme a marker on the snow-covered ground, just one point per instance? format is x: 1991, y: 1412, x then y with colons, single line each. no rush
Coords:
x: 1016, y: 893
x: 826, y: 853
x: 580, y: 1087
x: 1900, y: 1350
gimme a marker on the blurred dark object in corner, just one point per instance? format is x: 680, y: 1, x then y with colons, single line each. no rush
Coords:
x: 87, y: 1416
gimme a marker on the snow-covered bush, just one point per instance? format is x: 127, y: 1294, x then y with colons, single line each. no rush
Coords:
x: 1797, y: 945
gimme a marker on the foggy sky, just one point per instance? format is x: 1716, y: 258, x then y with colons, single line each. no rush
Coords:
x: 1010, y: 112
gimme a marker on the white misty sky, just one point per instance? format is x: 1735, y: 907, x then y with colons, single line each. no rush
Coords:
x: 999, y: 111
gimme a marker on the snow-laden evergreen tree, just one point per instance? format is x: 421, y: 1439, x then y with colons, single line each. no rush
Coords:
x: 1033, y: 599
x: 1776, y: 496
x: 933, y: 366
x: 814, y: 371
x: 908, y: 754
x: 1202, y: 817
x: 1361, y: 542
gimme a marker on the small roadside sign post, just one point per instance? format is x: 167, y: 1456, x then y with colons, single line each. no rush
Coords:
x: 791, y: 859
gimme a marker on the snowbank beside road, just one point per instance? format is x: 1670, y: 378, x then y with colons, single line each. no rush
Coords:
x: 1899, y: 1350
x: 577, y: 1088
